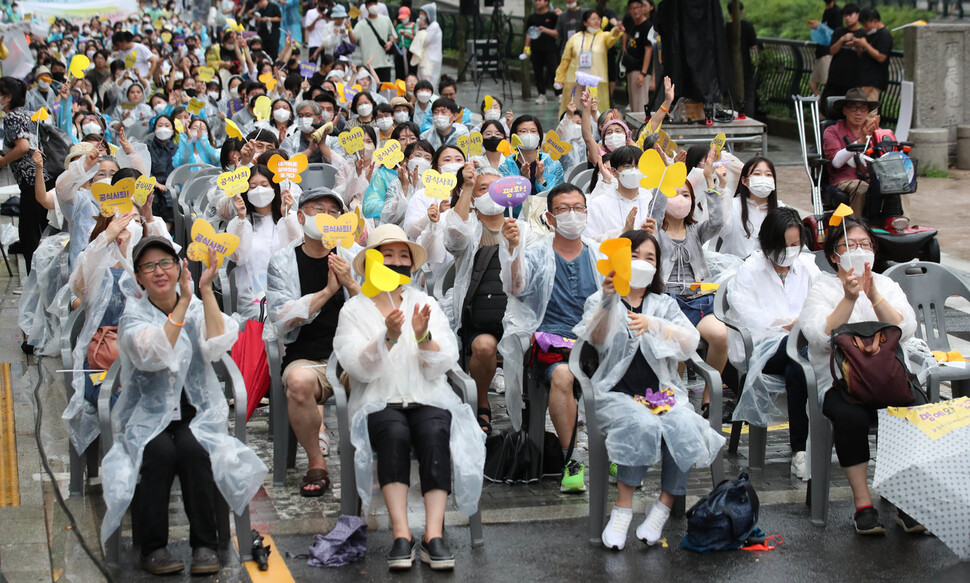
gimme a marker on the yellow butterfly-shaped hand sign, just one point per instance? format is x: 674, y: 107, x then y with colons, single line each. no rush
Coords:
x: 269, y: 80
x: 398, y: 86
x: 262, y: 107
x: 378, y: 277
x: 354, y: 12
x: 79, y: 64
x: 232, y: 130
x: 337, y: 231
x: 390, y: 155
x: 718, y: 144
x: 504, y: 147
x: 438, y: 185
x: 196, y: 106
x: 40, y: 115
x: 619, y: 260
x: 114, y: 198
x: 361, y: 225
x: 235, y: 182
x: 656, y: 174
x: 166, y: 37
x: 206, y: 73
x: 843, y: 211
x: 352, y: 141
x: 704, y: 286
x: 143, y: 187
x: 204, y: 237
x: 471, y: 145
x: 555, y: 147
x: 666, y: 144
x: 288, y: 169
x: 341, y: 97
x: 130, y: 60
x: 489, y: 101
x: 516, y: 142
x: 179, y: 126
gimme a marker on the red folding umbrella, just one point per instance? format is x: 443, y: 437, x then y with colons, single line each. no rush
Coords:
x: 249, y: 354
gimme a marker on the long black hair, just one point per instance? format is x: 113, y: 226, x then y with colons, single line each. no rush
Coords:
x: 744, y: 193
x: 276, y: 206
x: 637, y: 237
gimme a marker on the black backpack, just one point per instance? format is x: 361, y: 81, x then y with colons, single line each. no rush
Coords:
x: 725, y: 518
x: 55, y: 145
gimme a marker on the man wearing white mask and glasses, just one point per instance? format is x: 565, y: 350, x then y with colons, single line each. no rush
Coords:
x: 547, y: 284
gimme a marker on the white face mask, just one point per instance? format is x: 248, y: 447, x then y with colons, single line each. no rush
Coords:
x: 369, y: 151
x: 787, y: 257
x: 571, y: 224
x: 571, y: 5
x: 261, y: 196
x: 364, y: 109
x: 214, y: 95
x: 401, y: 116
x: 442, y: 122
x: 163, y: 133
x: 420, y: 164
x: 641, y: 273
x: 159, y: 108
x: 453, y: 168
x: 326, y: 116
x: 310, y: 228
x: 592, y: 29
x: 91, y: 128
x: 614, y: 140
x: 493, y: 115
x: 572, y: 131
x: 234, y: 92
x: 305, y: 124
x: 856, y: 259
x: 281, y: 115
x: 44, y: 85
x: 385, y: 123
x: 372, y: 10
x: 423, y: 96
x: 487, y: 206
x: 529, y: 141
x: 630, y: 178
x: 761, y: 186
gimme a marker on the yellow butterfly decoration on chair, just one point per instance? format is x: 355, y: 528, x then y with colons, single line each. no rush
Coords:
x: 658, y: 175
x: 619, y: 259
x: 378, y: 277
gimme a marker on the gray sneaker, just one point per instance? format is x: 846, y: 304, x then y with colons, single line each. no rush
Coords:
x: 161, y: 562
x: 205, y: 561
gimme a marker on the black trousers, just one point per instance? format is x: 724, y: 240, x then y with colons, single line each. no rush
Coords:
x: 393, y: 432
x: 384, y: 74
x: 850, y: 426
x: 176, y: 452
x: 796, y: 390
x: 544, y: 63
x: 33, y: 220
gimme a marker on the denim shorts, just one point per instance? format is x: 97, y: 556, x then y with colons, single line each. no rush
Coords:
x: 697, y: 308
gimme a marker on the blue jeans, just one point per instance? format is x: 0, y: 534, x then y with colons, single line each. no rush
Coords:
x: 673, y: 480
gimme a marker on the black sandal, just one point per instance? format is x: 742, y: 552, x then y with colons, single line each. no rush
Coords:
x: 483, y: 413
x: 704, y: 410
x: 315, y: 477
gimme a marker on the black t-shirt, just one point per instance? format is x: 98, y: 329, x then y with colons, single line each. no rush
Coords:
x: 832, y: 17
x: 568, y: 23
x: 639, y: 376
x: 873, y: 73
x: 315, y: 339
x: 846, y: 64
x: 749, y: 40
x: 545, y: 42
x: 637, y: 41
x: 487, y: 302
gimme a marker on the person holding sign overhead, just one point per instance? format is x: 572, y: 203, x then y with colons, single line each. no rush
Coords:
x: 396, y: 346
x: 307, y: 283
x: 585, y: 52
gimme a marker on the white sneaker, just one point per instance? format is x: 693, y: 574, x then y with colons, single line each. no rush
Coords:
x: 799, y: 466
x: 541, y: 100
x: 497, y: 385
x: 614, y: 535
x: 652, y: 526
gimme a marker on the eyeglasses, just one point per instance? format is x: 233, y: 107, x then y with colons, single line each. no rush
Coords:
x: 579, y: 208
x: 333, y: 212
x: 149, y: 267
x: 865, y: 244
x: 856, y: 107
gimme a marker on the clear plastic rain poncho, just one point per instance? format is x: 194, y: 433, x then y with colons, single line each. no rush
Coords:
x: 383, y: 186
x: 764, y: 304
x: 153, y: 376
x: 526, y: 309
x: 93, y: 282
x: 461, y: 239
x: 44, y: 290
x: 633, y: 433
x: 286, y: 307
x: 822, y: 299
x: 405, y: 372
x: 258, y: 241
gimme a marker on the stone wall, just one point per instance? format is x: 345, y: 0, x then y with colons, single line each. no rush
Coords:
x: 937, y: 60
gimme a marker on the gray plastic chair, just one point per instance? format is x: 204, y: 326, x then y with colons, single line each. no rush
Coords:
x: 927, y: 287
x: 599, y: 462
x: 757, y: 436
x: 229, y: 374
x: 284, y: 440
x: 822, y: 262
x: 91, y: 460
x: 463, y: 386
x: 319, y: 174
x: 575, y: 171
x: 444, y: 283
x: 582, y: 180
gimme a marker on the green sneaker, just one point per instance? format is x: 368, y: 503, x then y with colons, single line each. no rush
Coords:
x: 612, y: 473
x: 573, y: 477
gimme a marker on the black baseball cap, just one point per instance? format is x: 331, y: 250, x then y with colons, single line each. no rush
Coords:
x: 152, y: 242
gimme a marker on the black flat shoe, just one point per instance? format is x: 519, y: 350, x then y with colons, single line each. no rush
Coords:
x: 403, y: 554
x: 437, y: 554
x: 161, y: 562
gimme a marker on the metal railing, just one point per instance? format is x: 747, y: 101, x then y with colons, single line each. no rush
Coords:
x: 784, y: 67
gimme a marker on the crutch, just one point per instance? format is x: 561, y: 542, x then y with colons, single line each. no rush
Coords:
x: 813, y: 162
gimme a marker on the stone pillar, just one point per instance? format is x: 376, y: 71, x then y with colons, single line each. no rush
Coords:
x: 963, y: 147
x: 930, y: 148
x: 937, y: 60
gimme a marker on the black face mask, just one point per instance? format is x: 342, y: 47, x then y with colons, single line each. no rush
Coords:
x: 191, y: 92
x: 59, y: 76
x: 491, y: 143
x: 402, y: 269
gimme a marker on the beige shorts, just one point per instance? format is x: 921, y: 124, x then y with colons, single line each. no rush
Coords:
x: 820, y: 72
x: 326, y: 391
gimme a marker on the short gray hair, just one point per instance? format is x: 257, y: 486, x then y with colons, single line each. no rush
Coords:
x: 313, y: 105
